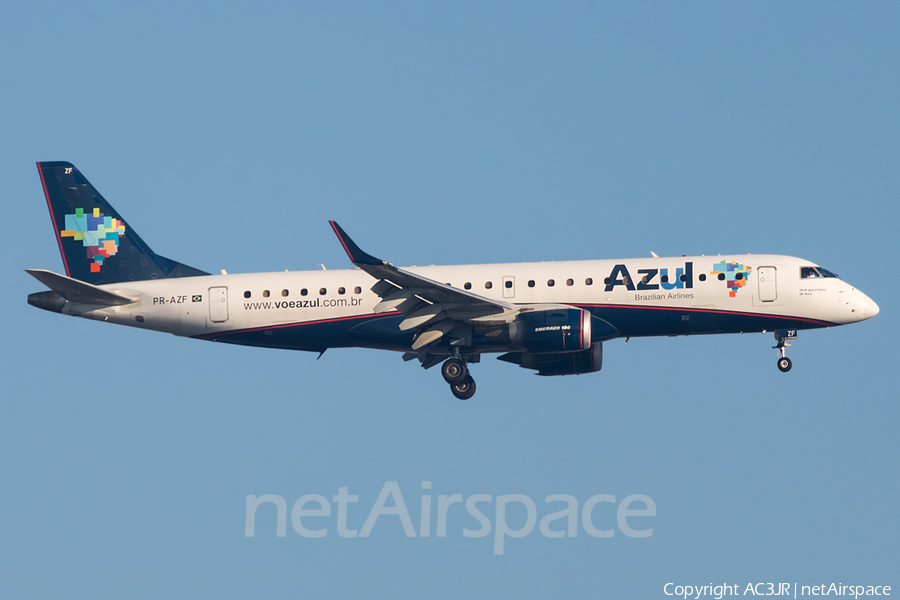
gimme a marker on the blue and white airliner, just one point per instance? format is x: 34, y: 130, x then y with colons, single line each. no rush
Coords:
x: 551, y: 317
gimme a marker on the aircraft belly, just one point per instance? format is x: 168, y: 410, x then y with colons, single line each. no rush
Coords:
x: 382, y: 331
x: 641, y: 321
x: 367, y: 331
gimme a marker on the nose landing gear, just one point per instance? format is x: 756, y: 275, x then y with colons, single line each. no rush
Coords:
x: 781, y: 337
x: 456, y: 373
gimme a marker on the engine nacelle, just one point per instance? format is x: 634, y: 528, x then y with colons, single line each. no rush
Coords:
x: 551, y: 331
x: 570, y: 363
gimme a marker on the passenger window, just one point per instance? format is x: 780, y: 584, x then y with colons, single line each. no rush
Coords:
x: 285, y: 293
x: 341, y: 290
x: 664, y: 279
x: 488, y: 285
x: 265, y: 293
x: 468, y: 285
x: 588, y: 281
x: 357, y: 290
x: 550, y: 283
x: 531, y: 283
x: 246, y: 294
x: 570, y: 282
x: 508, y: 284
x: 322, y: 291
x: 303, y: 292
x: 721, y: 276
x: 702, y: 277
x: 683, y: 278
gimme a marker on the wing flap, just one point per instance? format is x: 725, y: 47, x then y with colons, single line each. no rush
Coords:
x: 383, y: 288
x: 434, y: 312
x: 433, y: 334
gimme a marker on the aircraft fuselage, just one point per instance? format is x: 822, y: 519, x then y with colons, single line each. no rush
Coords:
x: 315, y: 310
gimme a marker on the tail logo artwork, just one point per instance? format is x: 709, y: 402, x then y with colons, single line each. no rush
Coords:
x: 98, y: 233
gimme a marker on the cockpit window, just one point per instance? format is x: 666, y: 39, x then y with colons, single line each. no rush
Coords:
x: 815, y: 272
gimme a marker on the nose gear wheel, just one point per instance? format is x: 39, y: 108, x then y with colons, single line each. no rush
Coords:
x: 781, y: 337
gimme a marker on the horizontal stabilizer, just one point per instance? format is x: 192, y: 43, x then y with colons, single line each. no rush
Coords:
x: 77, y: 291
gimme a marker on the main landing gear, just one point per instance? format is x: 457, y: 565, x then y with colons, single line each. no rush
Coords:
x: 456, y: 373
x: 782, y: 336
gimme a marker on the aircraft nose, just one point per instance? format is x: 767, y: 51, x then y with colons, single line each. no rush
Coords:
x: 871, y: 309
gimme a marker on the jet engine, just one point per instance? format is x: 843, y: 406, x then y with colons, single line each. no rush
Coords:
x: 552, y: 331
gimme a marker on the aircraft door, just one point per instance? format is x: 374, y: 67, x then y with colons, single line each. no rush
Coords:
x: 218, y: 304
x: 768, y: 291
x: 509, y: 287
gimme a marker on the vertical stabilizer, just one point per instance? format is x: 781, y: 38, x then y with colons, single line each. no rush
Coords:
x: 96, y: 244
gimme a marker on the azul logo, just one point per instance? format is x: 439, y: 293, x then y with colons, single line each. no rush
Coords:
x: 683, y: 278
x: 734, y: 274
x: 98, y: 233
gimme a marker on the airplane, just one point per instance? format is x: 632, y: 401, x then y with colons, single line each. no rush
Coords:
x: 549, y: 317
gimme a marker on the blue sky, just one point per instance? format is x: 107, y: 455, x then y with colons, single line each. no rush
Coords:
x: 228, y: 135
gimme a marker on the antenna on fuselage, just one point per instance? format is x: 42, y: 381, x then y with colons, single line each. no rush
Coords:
x: 653, y: 254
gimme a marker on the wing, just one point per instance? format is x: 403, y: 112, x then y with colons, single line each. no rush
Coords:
x: 433, y: 308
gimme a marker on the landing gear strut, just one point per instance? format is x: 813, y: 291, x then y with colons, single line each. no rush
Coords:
x: 781, y: 337
x: 456, y: 373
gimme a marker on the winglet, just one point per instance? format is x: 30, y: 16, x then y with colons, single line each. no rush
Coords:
x: 357, y: 256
